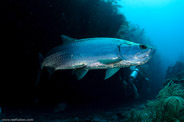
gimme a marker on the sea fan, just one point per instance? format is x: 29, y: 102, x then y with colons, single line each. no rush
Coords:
x: 171, y: 89
x: 168, y: 106
x: 174, y: 104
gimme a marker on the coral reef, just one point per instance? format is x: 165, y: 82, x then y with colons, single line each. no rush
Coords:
x: 169, y: 103
x: 176, y: 71
x: 168, y: 106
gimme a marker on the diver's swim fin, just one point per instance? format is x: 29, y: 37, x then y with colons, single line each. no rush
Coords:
x: 136, y: 94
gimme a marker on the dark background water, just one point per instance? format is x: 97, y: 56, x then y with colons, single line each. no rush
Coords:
x: 39, y: 24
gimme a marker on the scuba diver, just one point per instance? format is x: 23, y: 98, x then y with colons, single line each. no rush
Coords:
x: 134, y: 84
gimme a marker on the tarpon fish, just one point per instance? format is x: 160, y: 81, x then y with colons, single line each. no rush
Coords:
x: 83, y: 55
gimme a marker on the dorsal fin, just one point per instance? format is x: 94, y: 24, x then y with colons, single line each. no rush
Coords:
x: 67, y: 39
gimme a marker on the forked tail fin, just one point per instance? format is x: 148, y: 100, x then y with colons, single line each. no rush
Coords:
x: 40, y: 58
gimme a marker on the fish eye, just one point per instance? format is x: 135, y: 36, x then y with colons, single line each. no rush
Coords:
x: 143, y: 46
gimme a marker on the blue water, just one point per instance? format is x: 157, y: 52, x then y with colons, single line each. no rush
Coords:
x: 163, y: 22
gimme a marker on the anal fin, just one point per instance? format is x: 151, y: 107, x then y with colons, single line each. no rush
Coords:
x: 80, y: 73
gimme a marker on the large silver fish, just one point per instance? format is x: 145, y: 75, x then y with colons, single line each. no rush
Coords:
x: 83, y: 55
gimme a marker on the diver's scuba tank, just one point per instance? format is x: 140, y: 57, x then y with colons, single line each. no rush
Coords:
x: 134, y: 73
x: 132, y: 77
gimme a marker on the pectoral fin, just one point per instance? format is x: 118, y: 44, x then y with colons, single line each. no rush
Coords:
x: 111, y: 72
x: 109, y: 61
x: 80, y: 73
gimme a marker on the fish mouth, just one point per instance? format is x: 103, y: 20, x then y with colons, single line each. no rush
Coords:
x: 145, y: 55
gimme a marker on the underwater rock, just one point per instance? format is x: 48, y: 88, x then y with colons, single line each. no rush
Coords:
x: 177, y: 78
x: 175, y: 71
